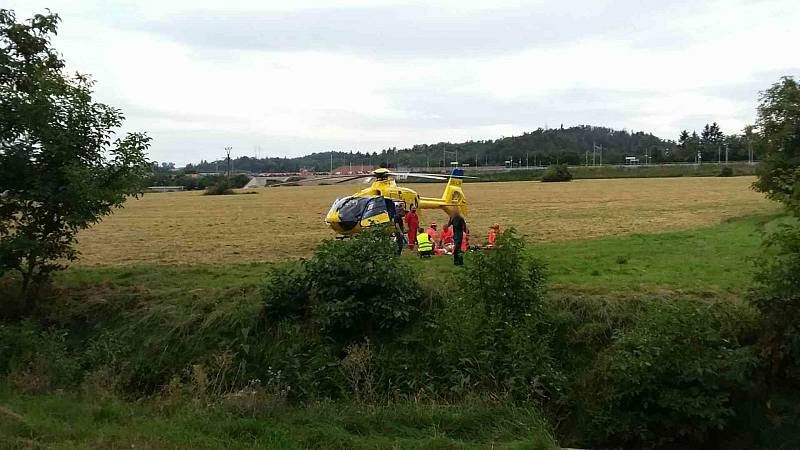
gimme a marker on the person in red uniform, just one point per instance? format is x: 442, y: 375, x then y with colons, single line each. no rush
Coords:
x: 446, y: 239
x: 465, y: 242
x: 493, y: 231
x: 432, y: 232
x: 412, y: 220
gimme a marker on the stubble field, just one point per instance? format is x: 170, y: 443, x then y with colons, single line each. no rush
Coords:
x: 279, y: 223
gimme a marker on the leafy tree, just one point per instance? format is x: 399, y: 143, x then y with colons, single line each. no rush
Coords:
x: 59, y: 170
x: 777, y: 293
x: 779, y: 123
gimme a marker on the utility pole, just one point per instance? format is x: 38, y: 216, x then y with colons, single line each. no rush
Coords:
x: 726, y: 154
x: 527, y: 166
x: 228, y: 161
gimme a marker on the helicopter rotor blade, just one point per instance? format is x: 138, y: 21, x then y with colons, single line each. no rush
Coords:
x: 432, y: 176
x: 311, y: 180
x: 364, y: 175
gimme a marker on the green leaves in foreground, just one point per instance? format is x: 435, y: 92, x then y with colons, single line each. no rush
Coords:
x: 671, y: 378
x: 349, y: 289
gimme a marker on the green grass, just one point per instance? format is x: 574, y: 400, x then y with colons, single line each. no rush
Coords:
x: 707, y: 262
x: 188, y: 310
x: 69, y: 421
x: 586, y: 172
x: 711, y: 261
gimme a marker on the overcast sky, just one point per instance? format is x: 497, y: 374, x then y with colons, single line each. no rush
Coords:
x: 286, y: 78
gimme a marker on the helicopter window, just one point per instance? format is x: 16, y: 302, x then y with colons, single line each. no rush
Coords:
x: 350, y: 208
x: 376, y: 206
x: 390, y: 208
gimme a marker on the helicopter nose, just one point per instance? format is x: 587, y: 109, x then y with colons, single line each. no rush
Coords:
x: 337, y: 224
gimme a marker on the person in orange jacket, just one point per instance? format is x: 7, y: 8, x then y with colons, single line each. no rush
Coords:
x: 465, y: 242
x: 412, y: 220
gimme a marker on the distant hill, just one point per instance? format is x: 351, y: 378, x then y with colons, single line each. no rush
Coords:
x: 572, y: 146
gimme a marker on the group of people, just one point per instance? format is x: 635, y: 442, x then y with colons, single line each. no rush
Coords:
x: 453, y: 239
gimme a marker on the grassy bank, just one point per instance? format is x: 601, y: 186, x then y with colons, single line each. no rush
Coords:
x: 69, y: 421
x: 594, y: 172
x: 185, y: 356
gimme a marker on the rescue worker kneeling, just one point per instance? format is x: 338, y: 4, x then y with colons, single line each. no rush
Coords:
x: 424, y: 244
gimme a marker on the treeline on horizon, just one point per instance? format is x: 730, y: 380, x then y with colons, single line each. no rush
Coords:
x: 577, y: 145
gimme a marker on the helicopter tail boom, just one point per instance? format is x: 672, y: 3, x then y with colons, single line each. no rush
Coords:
x: 452, y: 198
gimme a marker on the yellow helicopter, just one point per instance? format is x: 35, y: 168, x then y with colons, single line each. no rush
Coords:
x: 378, y: 204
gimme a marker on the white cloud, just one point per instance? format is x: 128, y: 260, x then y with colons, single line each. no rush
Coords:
x: 451, y: 71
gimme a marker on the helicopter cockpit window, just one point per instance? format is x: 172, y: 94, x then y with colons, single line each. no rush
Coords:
x: 350, y: 208
x: 375, y: 207
x: 390, y: 208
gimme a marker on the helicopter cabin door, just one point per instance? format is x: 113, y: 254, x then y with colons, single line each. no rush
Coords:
x: 375, y: 213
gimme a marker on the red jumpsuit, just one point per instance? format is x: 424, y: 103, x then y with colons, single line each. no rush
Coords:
x: 432, y: 234
x: 465, y: 242
x: 492, y: 237
x: 446, y: 235
x: 412, y: 220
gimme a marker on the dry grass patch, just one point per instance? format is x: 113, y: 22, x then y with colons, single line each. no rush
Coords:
x: 286, y: 222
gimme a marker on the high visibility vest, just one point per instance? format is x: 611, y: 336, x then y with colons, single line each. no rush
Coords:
x: 424, y: 243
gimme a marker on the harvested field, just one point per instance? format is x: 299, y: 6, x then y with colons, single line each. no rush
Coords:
x: 286, y: 222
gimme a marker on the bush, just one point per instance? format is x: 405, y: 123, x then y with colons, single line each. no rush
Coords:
x: 221, y: 187
x: 777, y: 297
x: 557, y: 173
x: 35, y: 360
x: 496, y: 338
x: 349, y: 290
x: 507, y: 281
x: 669, y: 379
x: 726, y: 172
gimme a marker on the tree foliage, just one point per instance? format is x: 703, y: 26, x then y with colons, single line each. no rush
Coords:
x: 779, y: 123
x: 539, y: 147
x: 60, y: 172
x: 777, y: 293
x: 668, y: 381
x: 507, y: 281
x: 557, y: 173
x: 350, y: 290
